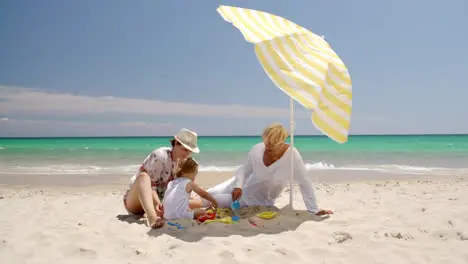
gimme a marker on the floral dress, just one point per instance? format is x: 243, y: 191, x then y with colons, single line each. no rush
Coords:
x: 160, y: 168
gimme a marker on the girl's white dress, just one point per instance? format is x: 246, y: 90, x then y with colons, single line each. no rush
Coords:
x: 176, y: 200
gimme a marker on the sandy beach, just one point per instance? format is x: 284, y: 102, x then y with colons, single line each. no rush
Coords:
x: 376, y: 221
x: 93, y: 94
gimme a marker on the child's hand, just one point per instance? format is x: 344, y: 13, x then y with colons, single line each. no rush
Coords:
x: 214, y: 204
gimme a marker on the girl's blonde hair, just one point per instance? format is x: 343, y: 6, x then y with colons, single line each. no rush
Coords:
x: 274, y: 134
x: 187, y: 167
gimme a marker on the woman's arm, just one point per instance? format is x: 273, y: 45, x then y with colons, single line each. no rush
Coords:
x: 243, y: 171
x: 156, y: 199
x: 204, y: 194
x: 239, y: 178
x: 153, y: 165
x: 307, y: 190
x: 158, y: 206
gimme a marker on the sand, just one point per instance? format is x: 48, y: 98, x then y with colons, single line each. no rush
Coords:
x: 393, y: 221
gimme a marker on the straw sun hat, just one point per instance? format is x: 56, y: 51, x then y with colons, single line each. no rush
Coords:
x: 188, y: 139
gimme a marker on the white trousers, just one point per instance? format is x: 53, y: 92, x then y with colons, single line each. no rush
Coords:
x: 223, y: 194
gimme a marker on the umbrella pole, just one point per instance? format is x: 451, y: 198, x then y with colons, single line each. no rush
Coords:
x: 291, y: 174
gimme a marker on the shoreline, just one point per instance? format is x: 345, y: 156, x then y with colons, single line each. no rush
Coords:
x: 207, y: 179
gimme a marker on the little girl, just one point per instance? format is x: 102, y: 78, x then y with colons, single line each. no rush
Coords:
x: 177, y: 195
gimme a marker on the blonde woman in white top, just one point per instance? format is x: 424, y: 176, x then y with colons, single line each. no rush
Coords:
x: 264, y: 176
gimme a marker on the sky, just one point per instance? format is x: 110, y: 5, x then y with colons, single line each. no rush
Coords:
x: 149, y: 68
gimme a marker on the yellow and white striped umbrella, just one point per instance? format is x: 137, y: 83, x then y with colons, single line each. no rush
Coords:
x: 301, y: 64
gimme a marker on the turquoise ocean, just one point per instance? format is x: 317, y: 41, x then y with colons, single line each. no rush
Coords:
x: 412, y: 154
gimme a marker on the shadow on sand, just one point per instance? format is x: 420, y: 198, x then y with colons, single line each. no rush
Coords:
x: 249, y: 225
x: 132, y: 219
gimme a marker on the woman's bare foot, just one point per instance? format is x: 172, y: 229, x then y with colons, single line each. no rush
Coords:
x: 324, y: 212
x: 154, y: 222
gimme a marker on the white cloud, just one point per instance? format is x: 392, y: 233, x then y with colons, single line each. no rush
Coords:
x: 24, y: 101
x: 121, y: 116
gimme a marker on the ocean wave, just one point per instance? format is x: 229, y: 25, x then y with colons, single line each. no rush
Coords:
x: 218, y: 168
x: 390, y: 168
x: 80, y: 169
x: 69, y: 169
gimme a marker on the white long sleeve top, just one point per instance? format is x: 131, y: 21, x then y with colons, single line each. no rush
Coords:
x: 261, y: 185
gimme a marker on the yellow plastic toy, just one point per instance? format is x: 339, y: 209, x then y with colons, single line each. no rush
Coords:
x: 225, y: 220
x: 220, y: 212
x: 267, y: 215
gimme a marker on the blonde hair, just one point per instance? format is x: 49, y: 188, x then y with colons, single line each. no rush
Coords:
x: 187, y: 167
x: 274, y: 134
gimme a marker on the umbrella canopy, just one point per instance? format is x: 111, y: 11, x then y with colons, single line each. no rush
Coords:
x: 301, y: 64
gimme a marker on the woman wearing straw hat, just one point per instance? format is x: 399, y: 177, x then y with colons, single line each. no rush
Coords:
x: 147, y: 186
x: 266, y: 173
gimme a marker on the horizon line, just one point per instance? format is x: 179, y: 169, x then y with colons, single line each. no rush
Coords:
x: 204, y: 136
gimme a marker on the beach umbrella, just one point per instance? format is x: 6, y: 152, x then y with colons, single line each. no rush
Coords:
x: 303, y: 65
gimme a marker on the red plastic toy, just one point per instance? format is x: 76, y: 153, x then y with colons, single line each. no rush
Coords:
x: 208, y: 215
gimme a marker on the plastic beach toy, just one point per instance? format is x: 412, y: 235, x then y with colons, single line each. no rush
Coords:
x: 222, y: 212
x: 225, y: 220
x: 179, y: 226
x: 208, y: 216
x: 235, y: 205
x: 267, y: 215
